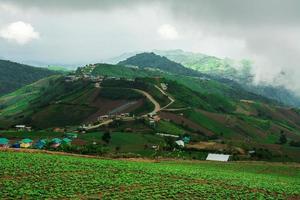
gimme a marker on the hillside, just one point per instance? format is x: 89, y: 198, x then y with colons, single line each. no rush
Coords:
x: 226, y: 68
x: 146, y: 60
x: 239, y: 71
x: 206, y: 85
x: 53, y: 102
x: 14, y: 75
x: 207, y: 110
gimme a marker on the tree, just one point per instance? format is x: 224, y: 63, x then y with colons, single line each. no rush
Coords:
x: 118, y: 148
x: 282, y: 139
x: 106, y: 137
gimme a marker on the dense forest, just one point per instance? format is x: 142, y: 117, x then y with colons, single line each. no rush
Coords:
x: 14, y: 75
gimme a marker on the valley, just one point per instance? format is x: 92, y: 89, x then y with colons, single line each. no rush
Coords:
x: 102, y: 99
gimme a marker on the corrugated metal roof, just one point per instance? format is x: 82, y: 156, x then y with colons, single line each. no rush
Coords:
x: 26, y: 140
x: 180, y: 143
x: 218, y: 157
x: 4, y: 141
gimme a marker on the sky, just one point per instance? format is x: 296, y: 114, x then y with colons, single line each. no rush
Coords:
x: 77, y: 32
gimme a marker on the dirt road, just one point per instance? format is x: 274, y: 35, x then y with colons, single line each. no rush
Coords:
x: 156, y: 104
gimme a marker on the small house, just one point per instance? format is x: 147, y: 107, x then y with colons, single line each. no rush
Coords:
x: 20, y: 127
x: 71, y: 135
x: 40, y: 144
x: 218, y: 157
x: 66, y: 141
x: 55, y: 142
x: 180, y: 143
x: 23, y: 128
x: 16, y: 145
x: 26, y: 143
x: 152, y: 122
x: 4, y: 142
x: 164, y: 86
x: 186, y: 139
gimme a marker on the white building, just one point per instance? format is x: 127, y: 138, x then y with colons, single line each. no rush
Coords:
x: 218, y: 157
x: 164, y: 86
x: 180, y: 143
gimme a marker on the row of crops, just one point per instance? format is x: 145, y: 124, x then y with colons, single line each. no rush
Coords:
x: 42, y: 176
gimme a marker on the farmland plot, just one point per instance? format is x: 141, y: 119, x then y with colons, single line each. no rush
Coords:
x: 44, y: 176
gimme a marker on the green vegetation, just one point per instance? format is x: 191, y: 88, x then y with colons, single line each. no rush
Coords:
x: 170, y: 128
x: 256, y: 122
x: 42, y: 176
x: 121, y: 71
x: 35, y: 135
x: 210, y: 124
x: 119, y: 93
x: 240, y: 71
x: 145, y: 60
x: 14, y: 75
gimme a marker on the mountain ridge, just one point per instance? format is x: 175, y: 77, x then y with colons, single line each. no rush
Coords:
x: 15, y: 75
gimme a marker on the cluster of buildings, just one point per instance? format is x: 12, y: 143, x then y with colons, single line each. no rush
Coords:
x: 113, y: 116
x: 153, y: 118
x: 73, y: 78
x: 39, y: 144
x: 97, y: 80
x: 23, y: 128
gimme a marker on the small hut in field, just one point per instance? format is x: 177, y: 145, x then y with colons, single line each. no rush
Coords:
x: 40, y: 144
x: 16, y: 145
x: 26, y: 143
x: 66, y: 141
x: 71, y: 135
x: 55, y: 142
x: 4, y: 142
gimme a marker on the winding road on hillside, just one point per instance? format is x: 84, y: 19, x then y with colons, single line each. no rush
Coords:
x: 156, y: 109
x: 164, y: 93
x: 157, y: 106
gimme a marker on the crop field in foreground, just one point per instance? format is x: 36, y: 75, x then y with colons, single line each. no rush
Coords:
x: 45, y: 176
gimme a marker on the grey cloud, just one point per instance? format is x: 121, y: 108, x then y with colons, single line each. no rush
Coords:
x: 79, y: 31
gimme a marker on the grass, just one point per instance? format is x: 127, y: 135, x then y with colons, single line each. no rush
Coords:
x: 127, y: 142
x: 208, y: 123
x: 44, y: 176
x: 168, y: 127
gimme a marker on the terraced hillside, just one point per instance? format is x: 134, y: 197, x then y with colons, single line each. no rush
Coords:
x: 54, y: 102
x: 204, y: 109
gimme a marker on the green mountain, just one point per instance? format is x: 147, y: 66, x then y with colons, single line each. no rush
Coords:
x: 238, y: 71
x: 205, y: 109
x: 227, y: 68
x: 55, y: 102
x: 151, y: 60
x: 14, y: 75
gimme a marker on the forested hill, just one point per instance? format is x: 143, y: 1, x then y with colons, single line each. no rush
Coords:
x: 152, y: 60
x: 14, y: 75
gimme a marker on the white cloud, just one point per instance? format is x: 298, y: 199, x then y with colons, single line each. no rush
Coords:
x: 168, y: 32
x: 19, y: 32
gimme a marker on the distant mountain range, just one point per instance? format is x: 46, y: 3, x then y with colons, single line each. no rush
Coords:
x: 237, y: 71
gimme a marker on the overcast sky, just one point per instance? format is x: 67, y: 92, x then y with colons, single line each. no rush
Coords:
x: 88, y: 31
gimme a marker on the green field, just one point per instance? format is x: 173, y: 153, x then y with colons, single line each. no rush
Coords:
x: 44, y: 176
